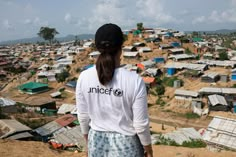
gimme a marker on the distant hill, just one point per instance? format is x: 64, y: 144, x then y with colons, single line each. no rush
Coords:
x: 38, y: 39
x: 220, y: 31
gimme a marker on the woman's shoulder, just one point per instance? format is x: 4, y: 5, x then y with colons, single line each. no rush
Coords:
x: 88, y: 73
x: 129, y: 74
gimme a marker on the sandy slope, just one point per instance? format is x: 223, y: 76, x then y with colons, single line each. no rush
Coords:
x: 39, y: 149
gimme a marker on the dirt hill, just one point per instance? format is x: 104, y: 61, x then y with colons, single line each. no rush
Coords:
x: 38, y: 149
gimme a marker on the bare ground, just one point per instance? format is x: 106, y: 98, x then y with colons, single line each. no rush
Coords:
x: 39, y: 149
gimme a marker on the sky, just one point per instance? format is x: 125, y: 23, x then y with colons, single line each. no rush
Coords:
x: 23, y: 18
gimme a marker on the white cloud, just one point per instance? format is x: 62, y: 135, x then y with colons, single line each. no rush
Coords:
x: 184, y: 12
x: 109, y: 11
x: 153, y: 11
x: 233, y: 2
x: 35, y: 22
x: 27, y: 21
x: 226, y: 16
x: 70, y: 19
x: 7, y: 25
x: 29, y: 8
x: 200, y: 19
x: 38, y: 22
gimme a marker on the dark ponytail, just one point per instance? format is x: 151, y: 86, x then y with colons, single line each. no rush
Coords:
x: 105, y: 65
x: 108, y: 40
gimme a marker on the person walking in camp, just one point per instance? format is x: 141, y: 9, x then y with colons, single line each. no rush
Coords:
x: 112, y: 102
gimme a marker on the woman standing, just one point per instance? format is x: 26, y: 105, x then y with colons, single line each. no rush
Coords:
x: 112, y: 102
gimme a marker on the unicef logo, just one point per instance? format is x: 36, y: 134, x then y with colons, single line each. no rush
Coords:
x: 118, y: 92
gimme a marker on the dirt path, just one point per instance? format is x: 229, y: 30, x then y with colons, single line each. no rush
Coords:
x: 179, y: 123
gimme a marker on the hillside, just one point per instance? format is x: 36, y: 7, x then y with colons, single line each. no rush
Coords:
x: 38, y: 39
x: 39, y: 149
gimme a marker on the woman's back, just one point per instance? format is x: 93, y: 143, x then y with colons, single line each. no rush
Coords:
x: 110, y: 107
x: 112, y: 102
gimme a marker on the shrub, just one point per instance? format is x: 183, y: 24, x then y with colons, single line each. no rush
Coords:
x: 189, y: 144
x: 164, y: 141
x: 223, y: 56
x: 158, y: 80
x: 191, y: 115
x: 160, y: 101
x: 194, y: 144
x: 188, y: 51
x: 152, y: 92
x: 160, y: 89
x: 169, y: 81
x: 78, y: 70
x: 62, y: 76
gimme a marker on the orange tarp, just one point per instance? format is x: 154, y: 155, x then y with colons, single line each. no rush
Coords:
x: 148, y: 79
x: 141, y: 66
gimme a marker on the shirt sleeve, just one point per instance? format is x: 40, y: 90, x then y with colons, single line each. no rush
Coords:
x: 140, y: 114
x: 82, y: 108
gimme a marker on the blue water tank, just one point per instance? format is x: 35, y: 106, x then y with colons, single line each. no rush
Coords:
x: 234, y: 107
x: 171, y: 71
x: 233, y: 77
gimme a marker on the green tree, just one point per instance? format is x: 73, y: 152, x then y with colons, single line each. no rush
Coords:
x: 77, y: 41
x: 140, y: 26
x: 47, y: 33
x: 223, y: 56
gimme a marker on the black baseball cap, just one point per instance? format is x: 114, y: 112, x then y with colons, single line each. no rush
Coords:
x: 108, y: 36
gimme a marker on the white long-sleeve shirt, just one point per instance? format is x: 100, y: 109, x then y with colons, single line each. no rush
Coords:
x: 120, y: 106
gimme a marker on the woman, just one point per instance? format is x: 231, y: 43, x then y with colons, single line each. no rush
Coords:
x: 112, y: 102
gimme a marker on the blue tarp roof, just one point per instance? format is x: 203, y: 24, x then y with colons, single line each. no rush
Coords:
x: 175, y: 44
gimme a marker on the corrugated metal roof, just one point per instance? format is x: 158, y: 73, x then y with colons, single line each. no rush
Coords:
x: 152, y: 71
x: 215, y: 90
x: 183, y: 134
x: 176, y: 49
x: 130, y: 67
x: 178, y: 65
x: 128, y: 47
x: 66, y: 108
x: 217, y: 100
x: 6, y: 102
x: 221, y: 131
x: 148, y: 63
x: 33, y: 85
x: 65, y: 120
x: 130, y: 54
x: 10, y: 126
x: 20, y: 136
x: 182, y: 56
x: 72, y: 136
x: 218, y: 62
x: 55, y: 94
x: 145, y: 49
x: 48, y: 128
x: 186, y: 92
x: 211, y: 75
x: 94, y: 53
